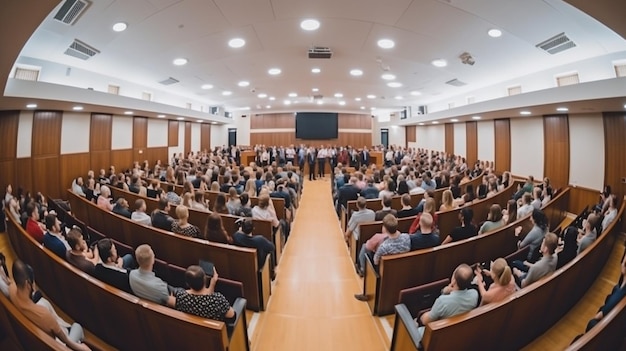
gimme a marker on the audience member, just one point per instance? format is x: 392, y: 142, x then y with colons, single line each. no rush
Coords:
x: 144, y: 283
x: 617, y: 294
x: 33, y: 226
x: 111, y: 267
x: 503, y: 283
x: 140, y: 215
x: 263, y: 211
x: 569, y: 250
x: 447, y: 202
x: 244, y: 238
x: 361, y: 215
x: 611, y: 213
x: 510, y: 214
x: 544, y: 267
x: 104, y: 201
x: 234, y: 203
x: 494, y: 220
x: 407, y: 210
x: 220, y: 204
x: 200, y: 299
x: 121, y: 208
x: 182, y: 225
x: 425, y: 237
x: 527, y: 188
x: 534, y: 236
x: 80, y: 255
x: 171, y: 196
x: 160, y: 217
x: 215, y: 231
x: 429, y: 207
x: 370, y: 191
x: 386, y: 202
x: 588, y: 234
x: 536, y: 203
x: 467, y: 228
x: 54, y: 240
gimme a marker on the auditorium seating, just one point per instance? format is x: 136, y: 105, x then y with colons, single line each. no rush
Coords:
x: 608, y: 334
x: 232, y: 262
x: 120, y: 319
x: 396, y: 272
x: 512, y: 323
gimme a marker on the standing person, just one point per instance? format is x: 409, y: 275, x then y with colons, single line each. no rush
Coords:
x: 311, y: 160
x: 321, y: 161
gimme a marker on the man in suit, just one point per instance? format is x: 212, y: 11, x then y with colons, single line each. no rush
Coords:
x: 365, y: 157
x: 311, y: 158
x: 301, y: 158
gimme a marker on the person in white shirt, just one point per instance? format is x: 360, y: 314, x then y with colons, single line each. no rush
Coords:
x: 322, y: 153
x: 140, y: 214
x: 537, y: 198
x: 526, y: 208
x: 610, y: 214
x: 263, y: 211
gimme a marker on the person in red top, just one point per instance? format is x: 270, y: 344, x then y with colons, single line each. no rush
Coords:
x: 33, y: 227
x: 429, y: 207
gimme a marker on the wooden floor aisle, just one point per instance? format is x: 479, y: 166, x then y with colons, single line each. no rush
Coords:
x: 312, y: 306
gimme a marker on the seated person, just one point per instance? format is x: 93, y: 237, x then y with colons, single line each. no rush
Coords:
x: 526, y: 207
x: 407, y: 210
x: 244, y: 238
x: 182, y: 225
x: 111, y: 268
x: 534, y: 236
x: 537, y: 202
x: 429, y: 207
x: 588, y: 234
x: 144, y: 283
x: 263, y: 211
x: 425, y: 237
x: 527, y: 188
x: 503, y: 284
x: 104, y: 201
x: 77, y: 186
x: 5, y: 281
x: 80, y: 255
x: 54, y: 240
x: 140, y: 215
x: 569, y: 249
x: 20, y: 293
x: 161, y: 218
x: 370, y: 191
x: 494, y: 220
x: 199, y: 203
x: 386, y: 202
x: 201, y: 300
x: 467, y: 228
x: 361, y: 215
x: 171, y: 196
x: 542, y: 268
x: 121, y: 207
x: 33, y: 226
x: 616, y: 295
x: 610, y: 214
x: 244, y: 210
x: 455, y: 299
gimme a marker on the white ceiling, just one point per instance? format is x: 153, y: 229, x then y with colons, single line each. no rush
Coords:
x: 423, y: 30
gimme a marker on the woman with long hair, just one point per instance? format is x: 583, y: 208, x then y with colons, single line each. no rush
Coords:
x: 215, y: 230
x: 233, y: 203
x: 447, y: 202
x: 220, y: 204
x: 510, y: 214
x: 494, y: 220
x: 182, y: 225
x: 503, y: 283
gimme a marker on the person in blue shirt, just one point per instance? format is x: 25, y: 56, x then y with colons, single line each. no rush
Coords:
x: 53, y: 239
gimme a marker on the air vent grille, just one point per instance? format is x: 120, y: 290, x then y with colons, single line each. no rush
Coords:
x: 26, y: 74
x: 169, y: 81
x: 70, y: 10
x: 620, y: 70
x: 514, y: 90
x: 81, y: 50
x: 455, y: 82
x: 556, y: 44
x: 569, y: 79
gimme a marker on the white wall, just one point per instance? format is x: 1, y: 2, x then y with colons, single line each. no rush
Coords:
x: 586, y: 139
x: 460, y: 139
x: 121, y: 133
x: 75, y: 131
x: 486, y: 141
x: 527, y: 147
x: 195, y: 137
x: 431, y: 137
x: 243, y: 127
x: 24, y: 134
x: 157, y: 132
x: 397, y: 135
x: 219, y: 134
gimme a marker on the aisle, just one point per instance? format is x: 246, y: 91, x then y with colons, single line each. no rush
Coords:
x: 312, y: 305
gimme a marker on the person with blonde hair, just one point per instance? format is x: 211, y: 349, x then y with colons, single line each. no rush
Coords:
x: 182, y: 225
x: 234, y: 203
x: 250, y: 187
x: 447, y: 201
x: 503, y: 283
x: 494, y: 220
x: 187, y: 199
x: 104, y: 201
x: 215, y: 186
x: 262, y: 210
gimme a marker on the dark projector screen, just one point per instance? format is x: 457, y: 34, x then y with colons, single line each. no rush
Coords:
x: 316, y: 125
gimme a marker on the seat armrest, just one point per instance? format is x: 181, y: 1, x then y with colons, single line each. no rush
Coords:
x: 421, y: 297
x: 405, y: 330
x: 240, y: 308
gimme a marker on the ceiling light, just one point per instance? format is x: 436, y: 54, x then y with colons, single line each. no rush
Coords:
x: 274, y: 71
x: 624, y: 106
x: 398, y: 97
x: 315, y: 70
x: 562, y: 109
x: 293, y: 95
x: 320, y: 102
x: 243, y: 83
x: 268, y: 106
x: 31, y: 106
x: 180, y: 61
x: 200, y: 121
x: 287, y: 102
x: 315, y: 90
x: 128, y: 112
x: 272, y: 98
x: 476, y: 117
x: 454, y: 120
x: 77, y: 108
x: 180, y: 118
x: 421, y: 124
x: 362, y: 107
x: 371, y: 96
x: 206, y: 86
x: 525, y: 113
x: 236, y: 43
x: 439, y: 63
x: 356, y: 72
x: 161, y: 116
x: 120, y: 27
x: 416, y: 93
x: 388, y: 76
x: 310, y: 24
x: 435, y: 122
x: 227, y: 93
x: 495, y: 33
x: 342, y: 103
x: 386, y: 43
x: 262, y: 96
x: 338, y: 95
x: 394, y: 84
x: 213, y: 122
x: 372, y: 108
x: 357, y: 99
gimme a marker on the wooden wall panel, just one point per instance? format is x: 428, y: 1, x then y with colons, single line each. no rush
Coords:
x: 502, y: 129
x: 556, y: 149
x: 344, y: 138
x: 100, y: 160
x: 187, y: 138
x: 354, y: 121
x: 140, y: 132
x: 7, y: 175
x: 615, y: 152
x: 101, y: 131
x: 46, y: 176
x: 122, y: 159
x: 154, y: 154
x: 9, y: 121
x: 449, y: 138
x: 205, y: 137
x: 23, y: 174
x: 471, y: 141
x: 579, y: 197
x: 288, y: 121
x: 70, y: 167
x: 410, y: 134
x: 172, y: 133
x: 46, y: 137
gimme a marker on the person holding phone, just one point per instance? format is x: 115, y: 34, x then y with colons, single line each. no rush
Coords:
x: 200, y: 299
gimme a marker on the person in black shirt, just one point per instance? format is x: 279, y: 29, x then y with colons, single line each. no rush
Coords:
x: 111, y: 270
x: 161, y: 218
x: 466, y: 230
x: 244, y: 238
x: 425, y: 237
x: 121, y: 207
x: 407, y: 210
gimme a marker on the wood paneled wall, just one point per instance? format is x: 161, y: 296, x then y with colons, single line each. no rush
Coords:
x: 471, y: 142
x: 46, y: 147
x: 410, y: 134
x: 502, y: 129
x: 205, y: 137
x: 187, y: 148
x: 615, y: 152
x: 449, y: 138
x: 140, y: 137
x: 556, y: 149
x: 100, y: 141
x: 172, y: 133
x: 9, y: 122
x: 354, y: 139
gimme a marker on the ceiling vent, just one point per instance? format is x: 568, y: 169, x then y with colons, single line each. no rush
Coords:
x: 70, y: 11
x: 169, y: 81
x: 81, y: 50
x: 556, y: 44
x: 320, y: 52
x: 455, y: 82
x: 317, y: 97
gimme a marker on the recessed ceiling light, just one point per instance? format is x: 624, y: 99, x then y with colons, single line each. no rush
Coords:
x: 293, y: 95
x: 525, y: 113
x: 120, y: 27
x: 268, y: 106
x: 372, y: 108
x: 357, y: 99
x: 272, y: 98
x: 213, y: 122
x: 495, y: 33
x: 315, y: 70
x: 388, y: 76
x: 439, y: 63
x: 315, y: 90
x: 274, y: 71
x: 371, y: 96
x: 180, y: 118
x: 262, y: 96
x: 227, y: 93
x: 236, y: 43
x: 207, y: 86
x: 394, y: 84
x: 200, y: 120
x: 180, y: 61
x: 243, y: 83
x: 320, y: 102
x: 454, y: 120
x: 562, y: 109
x: 338, y: 95
x: 342, y: 103
x: 476, y: 117
x: 77, y: 108
x: 386, y: 43
x: 421, y: 124
x: 128, y: 112
x: 356, y: 72
x: 362, y: 107
x: 435, y: 122
x: 310, y: 24
x: 31, y: 106
x: 416, y: 93
x: 287, y: 102
x: 161, y: 116
x: 398, y: 97
x: 624, y: 106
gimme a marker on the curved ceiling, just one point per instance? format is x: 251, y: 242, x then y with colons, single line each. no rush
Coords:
x: 160, y: 31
